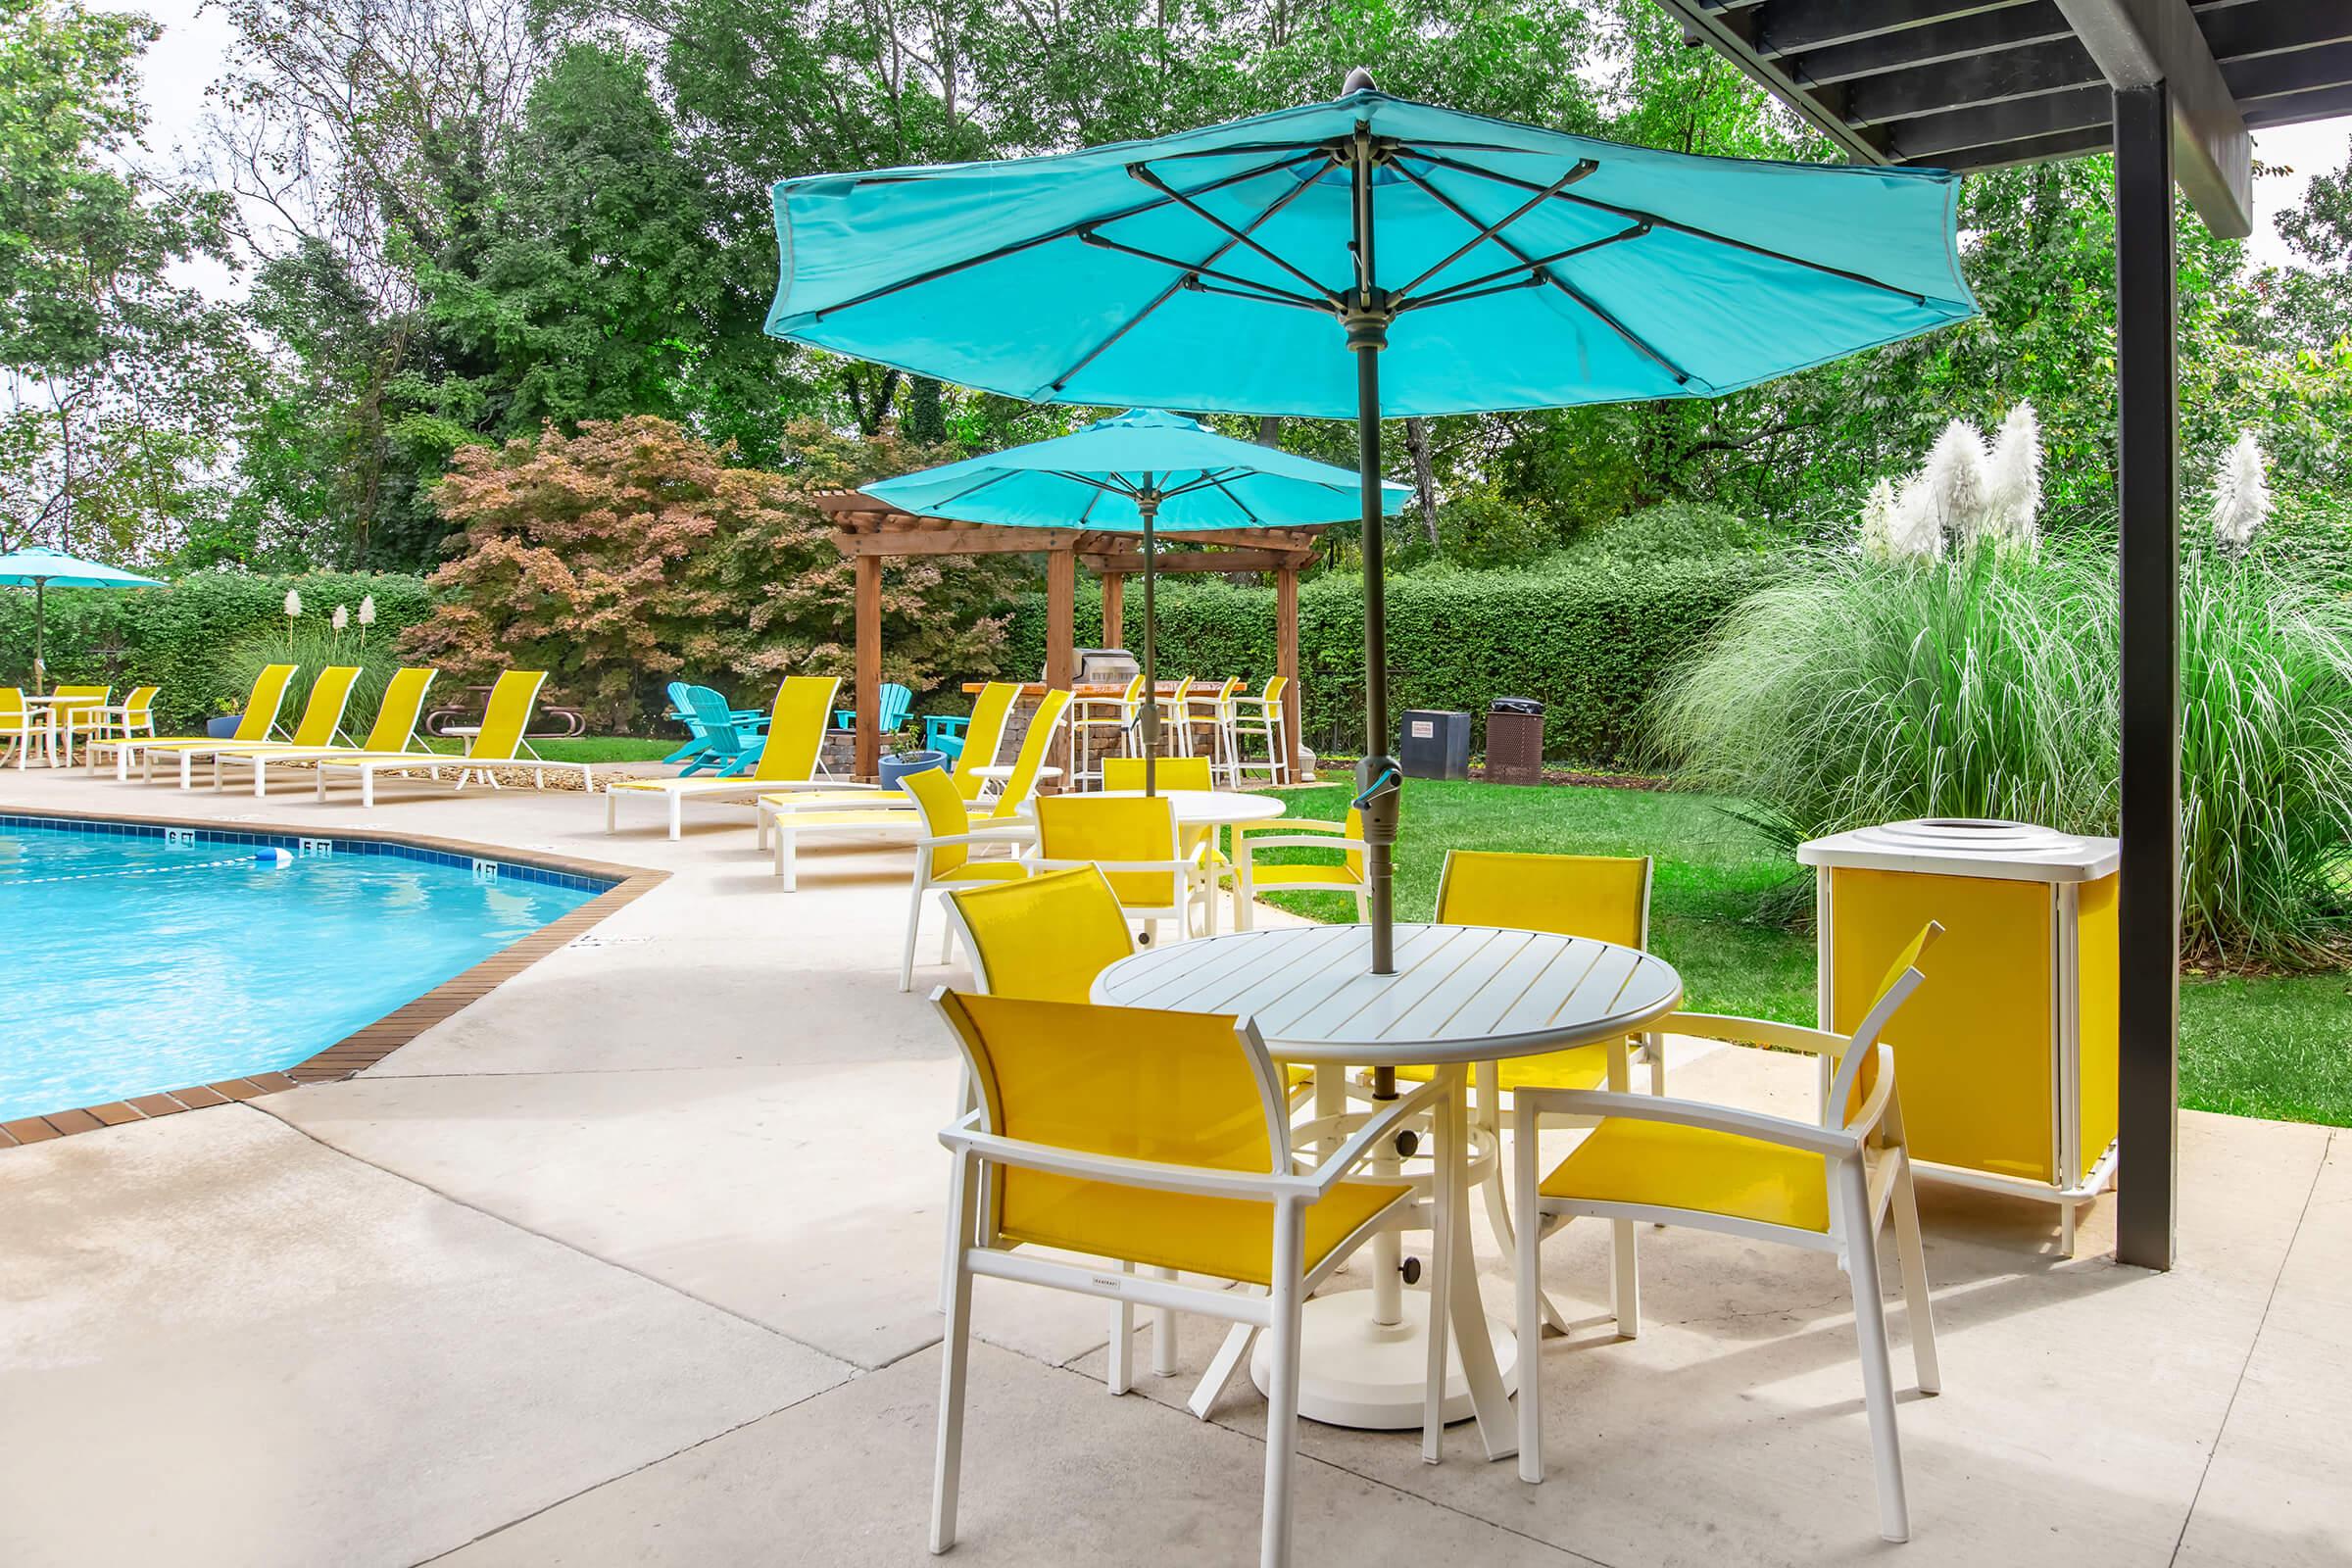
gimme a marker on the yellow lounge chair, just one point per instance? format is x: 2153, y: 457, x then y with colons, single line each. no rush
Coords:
x: 259, y: 723
x: 321, y: 721
x: 393, y: 730
x: 499, y: 743
x: 788, y: 758
x: 786, y: 817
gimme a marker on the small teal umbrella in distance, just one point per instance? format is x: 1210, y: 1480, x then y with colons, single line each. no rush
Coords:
x: 1140, y: 471
x: 38, y: 566
x: 1463, y: 264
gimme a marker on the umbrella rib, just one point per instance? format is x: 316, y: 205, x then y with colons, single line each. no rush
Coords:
x: 1197, y: 269
x: 1637, y: 215
x: 1144, y: 174
x: 997, y: 478
x: 1191, y: 275
x: 1016, y: 247
x: 1476, y: 287
x: 1583, y: 167
x: 1681, y: 378
x: 1228, y: 494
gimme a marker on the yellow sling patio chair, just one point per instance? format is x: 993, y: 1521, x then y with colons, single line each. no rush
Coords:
x: 789, y: 758
x: 320, y: 722
x: 1602, y: 897
x: 499, y: 743
x: 1133, y: 841
x: 74, y: 708
x: 1345, y: 875
x: 787, y: 818
x: 258, y: 724
x: 942, y: 857
x: 1145, y: 1140
x: 394, y: 731
x: 1826, y: 1186
x: 133, y: 716
x: 20, y: 726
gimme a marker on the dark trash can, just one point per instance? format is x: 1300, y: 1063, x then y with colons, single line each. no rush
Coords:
x: 1515, y: 741
x: 1431, y: 744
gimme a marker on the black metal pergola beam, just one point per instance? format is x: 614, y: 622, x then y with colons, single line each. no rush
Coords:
x: 1980, y: 83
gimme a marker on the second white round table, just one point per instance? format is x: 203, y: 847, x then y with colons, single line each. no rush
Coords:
x: 1460, y: 995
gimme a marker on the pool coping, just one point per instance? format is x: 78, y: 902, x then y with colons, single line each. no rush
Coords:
x: 370, y: 1044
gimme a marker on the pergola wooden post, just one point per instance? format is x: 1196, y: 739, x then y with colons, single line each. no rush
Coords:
x: 1286, y: 657
x: 1114, y: 610
x: 868, y: 531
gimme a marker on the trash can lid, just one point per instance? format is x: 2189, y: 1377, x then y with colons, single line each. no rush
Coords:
x: 1967, y: 846
x: 1516, y: 704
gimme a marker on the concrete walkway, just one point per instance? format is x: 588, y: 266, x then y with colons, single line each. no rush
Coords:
x: 634, y: 1261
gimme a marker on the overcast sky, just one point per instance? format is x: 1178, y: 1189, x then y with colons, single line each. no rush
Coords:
x: 196, y: 43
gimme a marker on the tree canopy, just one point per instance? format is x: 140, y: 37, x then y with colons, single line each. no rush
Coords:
x: 472, y: 221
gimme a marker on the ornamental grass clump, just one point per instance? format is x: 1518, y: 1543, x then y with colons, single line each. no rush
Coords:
x: 1979, y: 679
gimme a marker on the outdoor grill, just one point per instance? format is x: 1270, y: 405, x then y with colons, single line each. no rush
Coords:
x: 1105, y: 666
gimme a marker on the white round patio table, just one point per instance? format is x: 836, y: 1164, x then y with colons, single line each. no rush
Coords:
x: 53, y: 706
x: 1460, y: 995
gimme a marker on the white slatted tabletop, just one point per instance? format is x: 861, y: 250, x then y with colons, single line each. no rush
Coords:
x: 1460, y: 993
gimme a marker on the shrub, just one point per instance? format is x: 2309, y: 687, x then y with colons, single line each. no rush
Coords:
x: 313, y: 645
x: 179, y: 637
x: 631, y: 552
x: 1986, y: 685
x: 1674, y: 530
x: 1589, y: 640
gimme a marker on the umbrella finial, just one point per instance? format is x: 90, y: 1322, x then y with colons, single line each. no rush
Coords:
x: 1359, y: 81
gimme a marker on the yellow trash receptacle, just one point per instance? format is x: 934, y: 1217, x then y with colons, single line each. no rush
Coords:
x: 2006, y: 1058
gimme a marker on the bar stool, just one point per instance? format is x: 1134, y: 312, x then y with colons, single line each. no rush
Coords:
x: 1262, y: 717
x: 1097, y: 724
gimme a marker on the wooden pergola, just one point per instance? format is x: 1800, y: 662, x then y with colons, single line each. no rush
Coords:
x: 868, y: 531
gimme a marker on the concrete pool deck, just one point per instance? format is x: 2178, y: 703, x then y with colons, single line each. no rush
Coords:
x: 635, y: 1260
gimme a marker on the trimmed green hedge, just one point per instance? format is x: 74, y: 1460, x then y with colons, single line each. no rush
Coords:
x: 179, y: 636
x: 1589, y: 640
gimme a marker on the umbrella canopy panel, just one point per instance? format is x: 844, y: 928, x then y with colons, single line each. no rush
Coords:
x: 1517, y: 268
x: 1099, y: 477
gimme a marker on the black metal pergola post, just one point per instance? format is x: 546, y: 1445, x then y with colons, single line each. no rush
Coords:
x: 2148, y: 902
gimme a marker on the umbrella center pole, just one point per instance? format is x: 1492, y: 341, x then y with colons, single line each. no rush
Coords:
x: 1148, y: 503
x: 1366, y: 318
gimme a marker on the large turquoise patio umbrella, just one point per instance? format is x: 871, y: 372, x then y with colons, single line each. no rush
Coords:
x: 38, y: 566
x: 1241, y: 268
x: 1140, y: 471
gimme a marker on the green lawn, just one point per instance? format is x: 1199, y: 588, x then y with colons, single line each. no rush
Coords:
x: 584, y: 749
x: 1720, y: 911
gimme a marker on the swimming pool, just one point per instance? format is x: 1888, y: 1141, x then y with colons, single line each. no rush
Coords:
x: 141, y: 958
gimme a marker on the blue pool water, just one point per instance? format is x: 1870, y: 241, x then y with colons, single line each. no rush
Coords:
x: 133, y: 962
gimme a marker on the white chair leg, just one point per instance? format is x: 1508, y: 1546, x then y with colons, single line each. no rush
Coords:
x: 967, y: 1099
x: 955, y: 1355
x: 914, y: 926
x: 1527, y: 1266
x: 1498, y: 1212
x: 677, y: 814
x: 1118, y: 1368
x: 613, y: 815
x: 1441, y: 1210
x: 1163, y: 1333
x: 1282, y: 1392
x: 1870, y: 1333
x: 1223, y: 1367
x: 1918, y: 1311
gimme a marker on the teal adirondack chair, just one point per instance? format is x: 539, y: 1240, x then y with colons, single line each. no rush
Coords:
x: 895, y: 701
x: 731, y: 744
